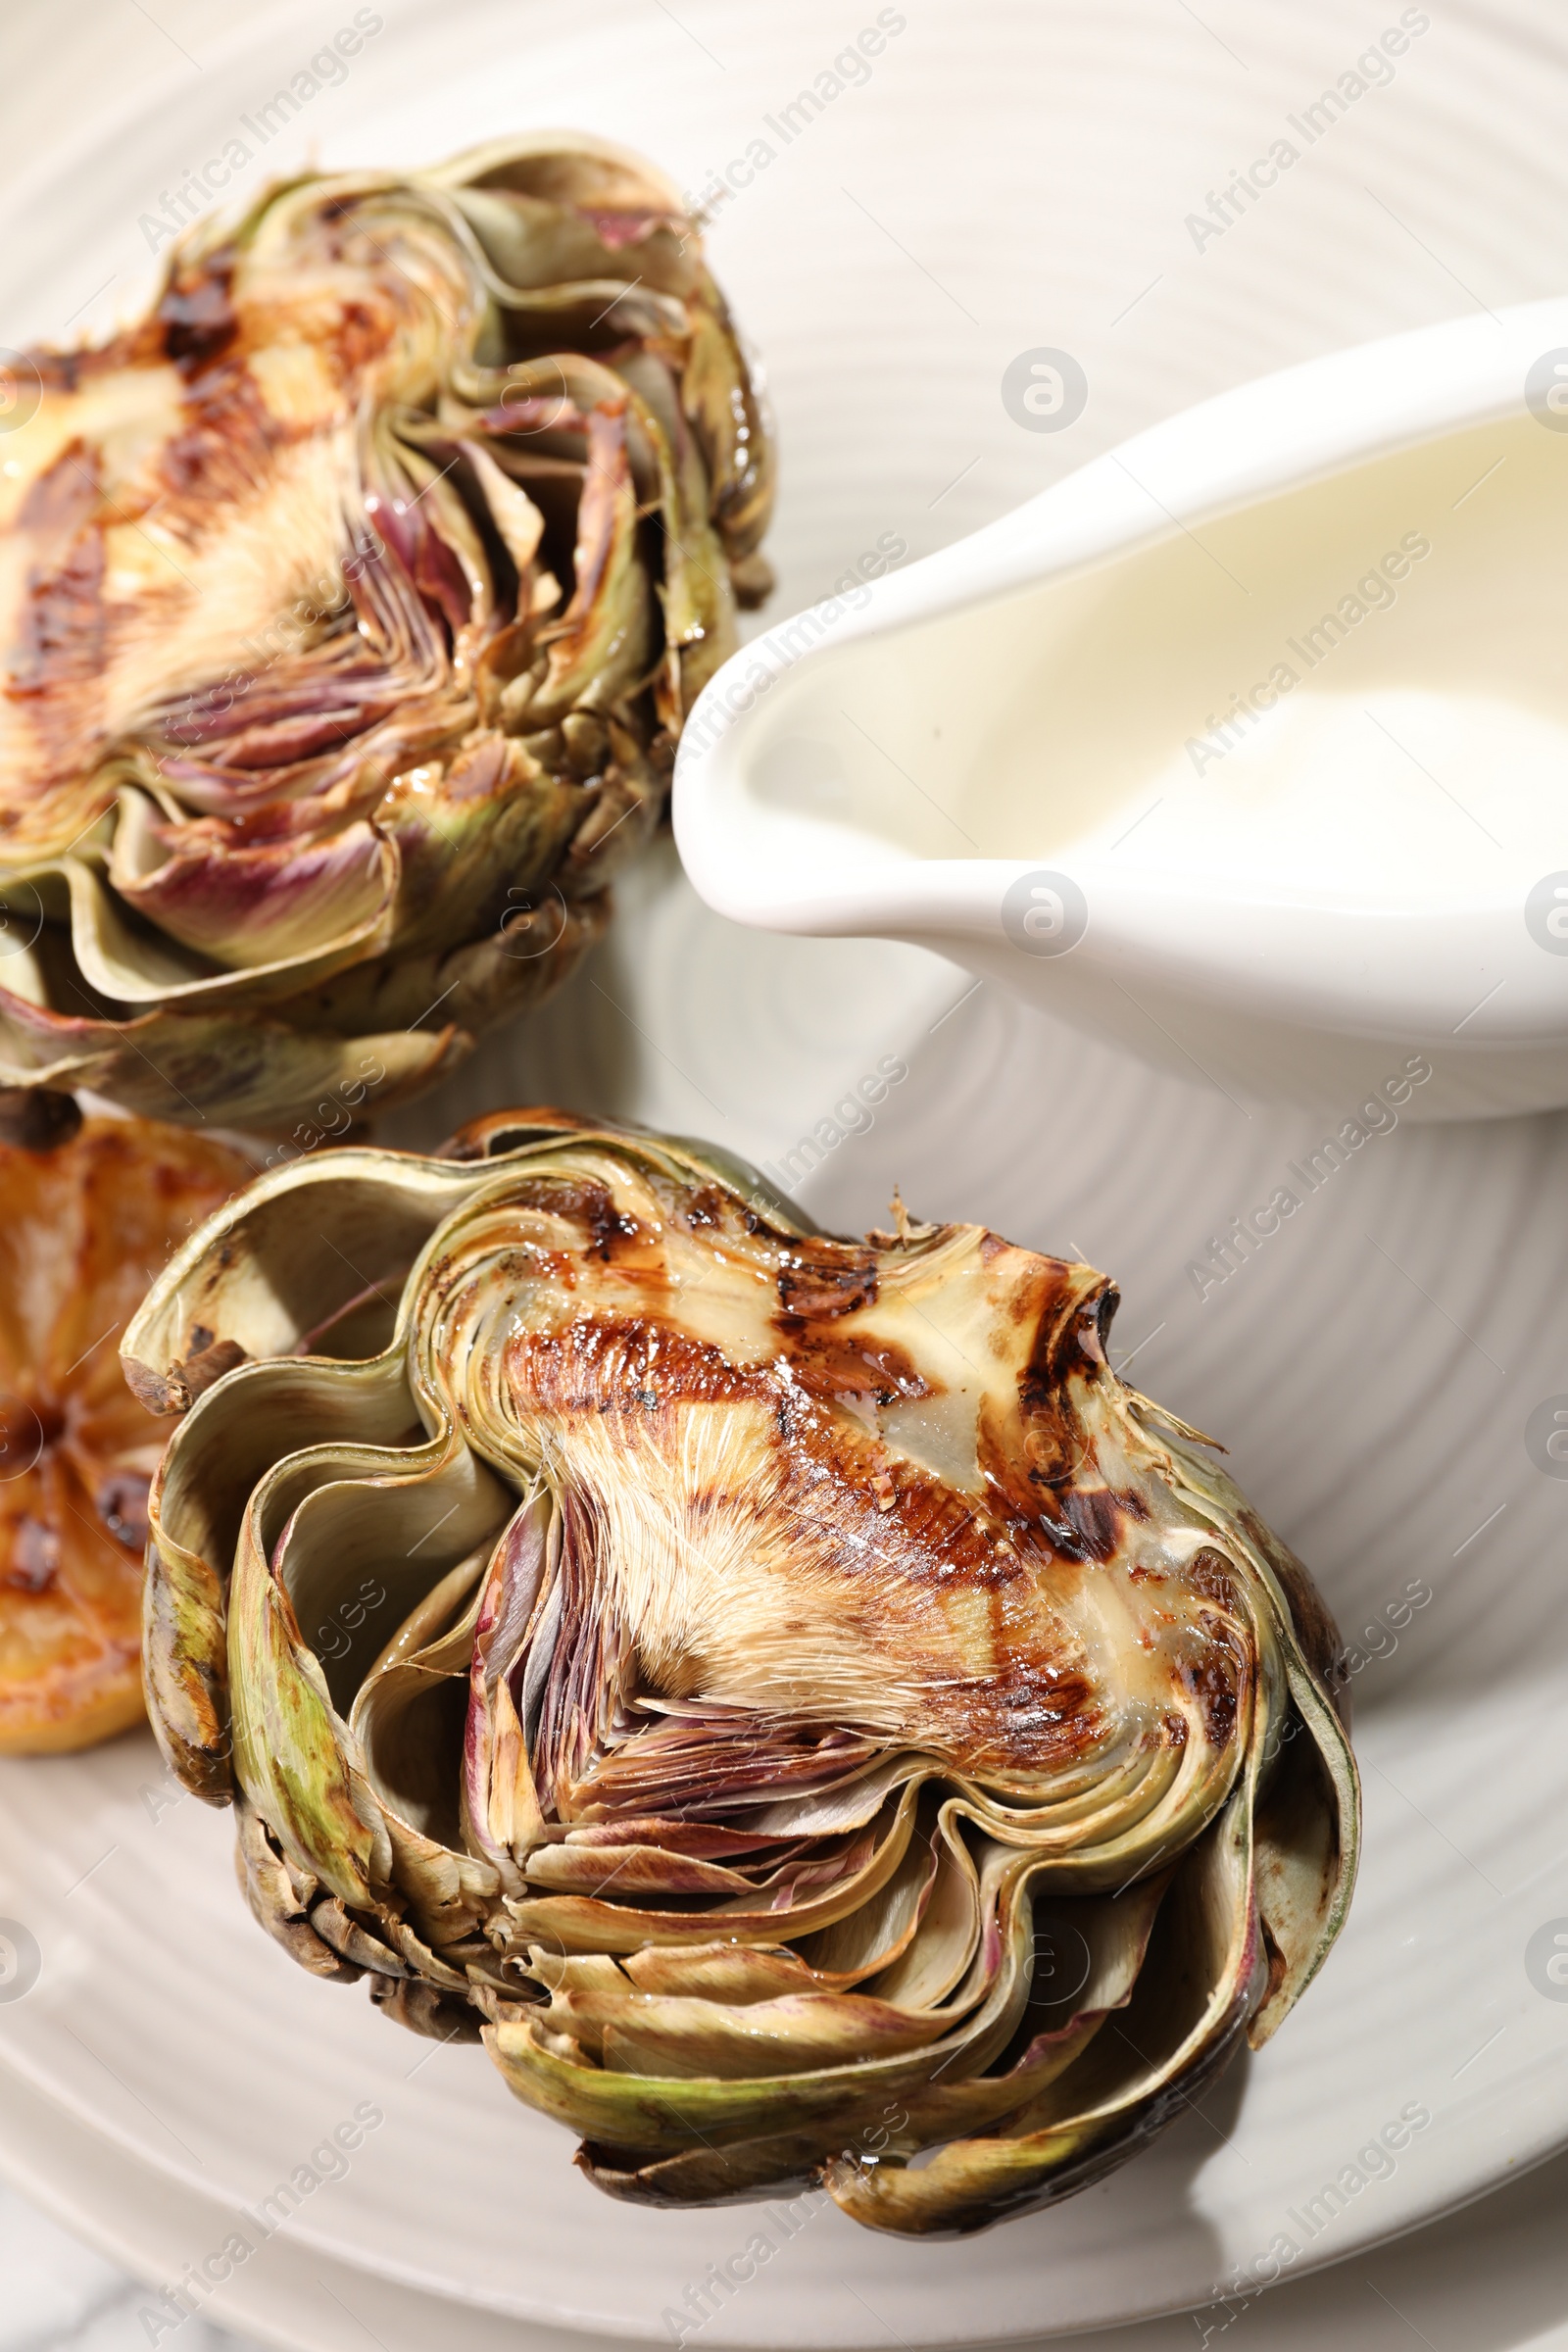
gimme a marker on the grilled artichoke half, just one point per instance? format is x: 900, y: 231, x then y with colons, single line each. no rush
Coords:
x: 788, y: 1693
x: 357, y: 596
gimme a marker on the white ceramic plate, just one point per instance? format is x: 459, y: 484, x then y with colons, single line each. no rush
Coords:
x: 1489, y: 2278
x: 1007, y: 178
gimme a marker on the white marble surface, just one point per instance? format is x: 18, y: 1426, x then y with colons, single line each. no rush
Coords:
x: 56, y: 2295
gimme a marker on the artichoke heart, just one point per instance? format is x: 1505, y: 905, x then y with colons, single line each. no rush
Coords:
x: 787, y: 1695
x: 356, y: 597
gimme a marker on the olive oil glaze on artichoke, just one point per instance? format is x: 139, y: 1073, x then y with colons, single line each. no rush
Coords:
x: 813, y: 1689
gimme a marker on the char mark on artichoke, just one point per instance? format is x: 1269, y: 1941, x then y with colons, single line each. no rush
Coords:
x: 790, y: 1692
x: 358, y: 595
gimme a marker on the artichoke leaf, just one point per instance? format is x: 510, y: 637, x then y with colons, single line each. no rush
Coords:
x: 295, y: 1755
x: 432, y: 1005
x: 1309, y: 1814
x: 245, y: 909
x: 357, y: 1551
x: 238, y: 1430
x: 160, y: 1065
x: 585, y: 1923
x: 599, y: 646
x: 649, y: 2034
x: 287, y: 1757
x: 723, y: 394
x: 696, y: 589
x: 472, y: 838
x: 278, y: 1900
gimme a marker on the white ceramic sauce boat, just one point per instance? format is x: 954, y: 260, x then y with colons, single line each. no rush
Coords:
x: 1246, y: 745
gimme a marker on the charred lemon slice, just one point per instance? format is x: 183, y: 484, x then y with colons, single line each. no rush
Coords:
x: 84, y: 1229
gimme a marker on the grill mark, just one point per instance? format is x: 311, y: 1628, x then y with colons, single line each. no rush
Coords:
x: 196, y: 314
x: 874, y: 1534
x: 60, y: 633
x: 608, y: 1233
x: 832, y: 1363
x: 1095, y: 1513
x: 826, y: 1278
x: 1214, y: 1681
x: 62, y: 626
x: 606, y: 1363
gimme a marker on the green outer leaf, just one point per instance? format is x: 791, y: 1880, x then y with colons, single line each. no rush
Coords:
x: 286, y: 1752
x: 257, y: 1071
x: 235, y: 1432
x: 1305, y: 1880
x: 186, y: 1669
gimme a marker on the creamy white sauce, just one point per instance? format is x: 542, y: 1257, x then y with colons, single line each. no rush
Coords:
x: 1358, y: 690
x: 1363, y: 684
